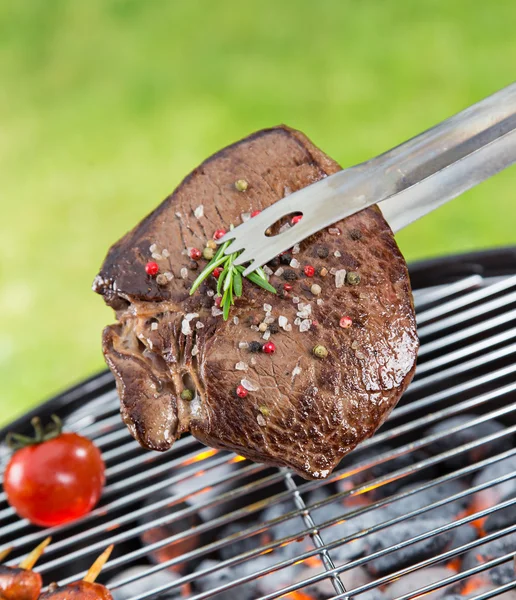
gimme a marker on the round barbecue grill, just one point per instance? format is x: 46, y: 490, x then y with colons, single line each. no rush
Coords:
x: 425, y: 507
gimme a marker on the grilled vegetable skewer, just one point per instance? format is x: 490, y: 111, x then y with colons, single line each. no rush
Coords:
x: 86, y: 589
x: 21, y: 582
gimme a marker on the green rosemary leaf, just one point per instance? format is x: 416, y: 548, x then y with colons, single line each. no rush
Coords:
x: 221, y: 279
x: 237, y: 282
x: 206, y: 272
x: 225, y: 310
x: 263, y: 283
x: 261, y: 273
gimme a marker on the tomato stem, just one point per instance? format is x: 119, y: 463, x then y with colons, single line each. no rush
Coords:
x: 16, y: 441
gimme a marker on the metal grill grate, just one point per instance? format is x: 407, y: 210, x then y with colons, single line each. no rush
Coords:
x: 200, y: 523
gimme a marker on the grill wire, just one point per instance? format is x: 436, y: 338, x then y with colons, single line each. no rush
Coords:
x: 466, y: 366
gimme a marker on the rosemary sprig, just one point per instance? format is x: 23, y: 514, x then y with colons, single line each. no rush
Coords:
x: 229, y: 283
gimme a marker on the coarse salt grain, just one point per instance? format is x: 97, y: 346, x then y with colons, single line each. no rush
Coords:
x: 267, y: 307
x: 305, y: 325
x: 241, y: 366
x: 195, y: 350
x: 199, y: 211
x: 245, y: 217
x: 153, y: 248
x: 282, y: 321
x: 154, y: 326
x: 333, y: 270
x: 296, y: 249
x: 355, y: 345
x: 337, y: 254
x: 340, y: 278
x: 191, y: 316
x: 320, y: 301
x: 284, y: 227
x: 261, y: 421
x: 286, y: 191
x: 295, y: 264
x: 254, y: 328
x: 165, y: 253
x: 185, y: 327
x: 297, y: 321
x: 210, y: 293
x: 296, y: 371
x: 243, y: 345
x: 199, y: 325
x: 156, y: 256
x: 269, y: 320
x: 249, y: 385
x: 178, y: 215
x: 266, y: 335
x: 279, y: 271
x: 236, y: 320
x: 334, y: 231
x: 253, y: 360
x: 184, y: 272
x: 288, y: 327
x: 295, y: 300
x: 267, y: 270
x: 169, y: 275
x: 215, y: 312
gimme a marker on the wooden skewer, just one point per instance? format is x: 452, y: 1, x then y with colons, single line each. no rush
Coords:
x: 96, y: 567
x: 5, y: 553
x: 30, y: 560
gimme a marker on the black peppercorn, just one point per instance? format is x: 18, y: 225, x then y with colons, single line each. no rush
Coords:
x: 322, y: 251
x: 193, y: 265
x: 273, y: 328
x: 355, y: 234
x: 289, y: 275
x: 255, y: 347
x: 285, y: 258
x: 274, y: 262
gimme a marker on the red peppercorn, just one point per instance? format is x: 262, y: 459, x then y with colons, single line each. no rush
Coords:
x: 255, y: 213
x: 195, y: 253
x: 241, y: 392
x: 287, y: 287
x: 219, y: 233
x: 269, y: 348
x: 152, y: 268
x: 309, y: 271
x: 346, y: 322
x: 296, y: 219
x: 218, y: 300
x: 216, y: 272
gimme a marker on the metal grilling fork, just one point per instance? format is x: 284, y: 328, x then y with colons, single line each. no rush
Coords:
x: 407, y: 182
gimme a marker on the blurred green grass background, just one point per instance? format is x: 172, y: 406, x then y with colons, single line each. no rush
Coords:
x: 105, y: 105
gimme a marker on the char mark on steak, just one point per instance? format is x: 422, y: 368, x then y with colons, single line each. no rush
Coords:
x: 303, y: 410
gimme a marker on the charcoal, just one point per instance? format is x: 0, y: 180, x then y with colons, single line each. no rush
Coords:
x: 344, y: 528
x: 246, y: 591
x: 501, y: 574
x: 323, y: 589
x: 239, y: 546
x: 427, y: 496
x: 454, y: 440
x: 271, y: 582
x: 408, y: 555
x: 418, y: 579
x: 462, y: 535
x: 145, y: 584
x: 495, y: 493
x: 287, y: 529
x: 502, y: 518
x: 387, y: 489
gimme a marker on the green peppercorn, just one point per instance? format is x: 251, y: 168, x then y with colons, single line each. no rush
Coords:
x: 353, y: 278
x: 208, y: 253
x: 320, y: 351
x: 211, y: 244
x: 241, y: 185
x: 264, y: 410
x: 187, y: 395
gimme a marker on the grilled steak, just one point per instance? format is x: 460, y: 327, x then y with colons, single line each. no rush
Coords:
x: 303, y: 410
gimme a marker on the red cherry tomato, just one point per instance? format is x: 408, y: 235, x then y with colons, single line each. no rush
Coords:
x: 56, y: 481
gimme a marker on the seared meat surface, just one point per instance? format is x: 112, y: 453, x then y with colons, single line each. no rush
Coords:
x: 81, y: 590
x: 19, y: 584
x: 302, y: 410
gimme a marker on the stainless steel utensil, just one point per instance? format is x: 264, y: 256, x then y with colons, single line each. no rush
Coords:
x: 407, y: 182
